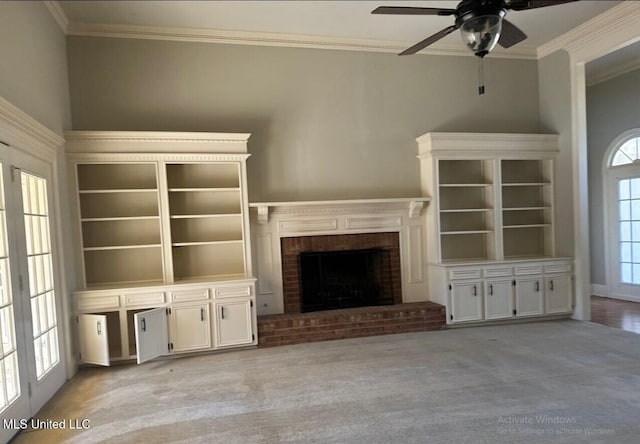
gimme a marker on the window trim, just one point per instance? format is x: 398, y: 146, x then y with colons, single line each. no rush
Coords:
x: 610, y: 175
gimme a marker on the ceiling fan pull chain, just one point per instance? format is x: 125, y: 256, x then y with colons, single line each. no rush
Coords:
x: 481, y: 77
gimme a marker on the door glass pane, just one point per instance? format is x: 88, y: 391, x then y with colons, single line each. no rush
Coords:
x: 9, y: 382
x: 41, y: 288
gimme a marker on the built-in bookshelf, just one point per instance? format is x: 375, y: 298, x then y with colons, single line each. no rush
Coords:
x: 527, y: 203
x: 149, y: 217
x: 494, y: 196
x: 205, y: 207
x: 466, y: 209
x: 120, y: 222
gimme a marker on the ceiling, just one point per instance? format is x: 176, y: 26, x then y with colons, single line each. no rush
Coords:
x: 330, y: 24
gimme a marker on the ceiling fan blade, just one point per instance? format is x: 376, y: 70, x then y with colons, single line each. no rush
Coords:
x: 406, y: 10
x: 522, y: 5
x: 510, y: 34
x: 429, y: 40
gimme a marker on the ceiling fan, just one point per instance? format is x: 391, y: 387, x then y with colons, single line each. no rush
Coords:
x: 481, y: 22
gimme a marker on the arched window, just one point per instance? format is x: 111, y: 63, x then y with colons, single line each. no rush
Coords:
x: 621, y: 168
x: 628, y: 153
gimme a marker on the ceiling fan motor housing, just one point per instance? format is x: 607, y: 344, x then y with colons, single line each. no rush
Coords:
x: 480, y: 23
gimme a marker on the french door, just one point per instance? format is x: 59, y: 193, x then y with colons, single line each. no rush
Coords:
x: 31, y: 369
x: 624, y: 223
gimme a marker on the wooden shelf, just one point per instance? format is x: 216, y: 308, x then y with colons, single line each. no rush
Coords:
x: 526, y: 208
x: 201, y: 216
x: 109, y: 219
x: 186, y: 190
x: 467, y: 210
x: 526, y: 184
x: 464, y: 185
x: 122, y: 247
x: 526, y: 226
x: 190, y: 244
x: 120, y: 190
x: 448, y: 233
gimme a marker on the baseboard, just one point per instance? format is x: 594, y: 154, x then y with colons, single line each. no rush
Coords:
x: 603, y: 291
x: 600, y: 290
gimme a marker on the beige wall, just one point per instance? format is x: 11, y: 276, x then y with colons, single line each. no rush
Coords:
x: 33, y: 56
x: 325, y: 124
x: 613, y: 107
x: 555, y: 118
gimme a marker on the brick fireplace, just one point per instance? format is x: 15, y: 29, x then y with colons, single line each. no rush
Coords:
x: 283, y: 231
x: 293, y: 247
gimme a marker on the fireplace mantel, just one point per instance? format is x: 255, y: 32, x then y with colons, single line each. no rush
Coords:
x: 413, y: 204
x: 273, y: 221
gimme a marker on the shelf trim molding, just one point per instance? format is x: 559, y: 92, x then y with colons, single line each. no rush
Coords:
x: 486, y: 145
x: 415, y: 205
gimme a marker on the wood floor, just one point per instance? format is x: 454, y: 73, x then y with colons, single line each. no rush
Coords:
x: 616, y: 313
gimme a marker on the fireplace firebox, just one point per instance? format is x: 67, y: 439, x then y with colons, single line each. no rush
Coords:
x: 332, y: 280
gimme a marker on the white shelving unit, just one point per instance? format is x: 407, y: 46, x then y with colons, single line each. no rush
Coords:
x: 162, y: 224
x: 492, y: 221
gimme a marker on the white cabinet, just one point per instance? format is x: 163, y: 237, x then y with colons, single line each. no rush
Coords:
x: 498, y: 299
x: 466, y: 301
x: 147, y: 322
x: 558, y: 294
x: 529, y: 296
x: 189, y: 327
x: 94, y: 346
x: 491, y: 223
x: 233, y: 322
x: 479, y: 292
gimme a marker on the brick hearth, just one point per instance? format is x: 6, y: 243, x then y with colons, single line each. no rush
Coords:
x: 292, y: 247
x: 296, y: 328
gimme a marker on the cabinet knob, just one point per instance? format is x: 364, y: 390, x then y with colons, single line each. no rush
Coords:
x: 490, y: 289
x: 551, y: 285
x: 144, y: 324
x: 202, y: 314
x: 537, y: 286
x: 475, y: 290
x: 222, y: 312
x: 99, y: 327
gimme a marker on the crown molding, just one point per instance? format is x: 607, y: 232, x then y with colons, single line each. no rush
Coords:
x: 274, y: 39
x: 58, y: 14
x: 21, y: 131
x: 458, y: 145
x: 626, y: 14
x: 612, y: 73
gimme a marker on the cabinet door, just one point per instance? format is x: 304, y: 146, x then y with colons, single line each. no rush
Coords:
x: 466, y: 301
x: 233, y: 322
x: 190, y: 327
x: 529, y: 296
x: 558, y: 294
x: 151, y: 334
x: 93, y: 339
x: 498, y: 299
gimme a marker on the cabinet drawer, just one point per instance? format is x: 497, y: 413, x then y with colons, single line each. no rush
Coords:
x: 144, y: 299
x: 464, y: 273
x: 498, y: 272
x: 93, y: 303
x: 528, y: 269
x: 562, y: 267
x: 200, y: 294
x: 231, y: 292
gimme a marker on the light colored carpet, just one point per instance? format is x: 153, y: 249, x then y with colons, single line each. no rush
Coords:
x: 560, y: 382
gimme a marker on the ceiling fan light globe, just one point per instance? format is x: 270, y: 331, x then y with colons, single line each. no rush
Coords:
x: 481, y: 34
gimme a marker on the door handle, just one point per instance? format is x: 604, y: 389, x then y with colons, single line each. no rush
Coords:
x: 222, y: 311
x: 490, y: 289
x: 99, y: 327
x: 144, y: 324
x: 202, y: 314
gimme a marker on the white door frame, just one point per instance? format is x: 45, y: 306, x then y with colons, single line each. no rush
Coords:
x: 610, y: 176
x: 608, y: 32
x: 27, y: 138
